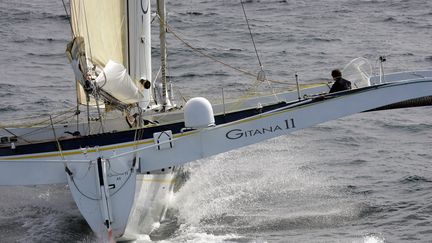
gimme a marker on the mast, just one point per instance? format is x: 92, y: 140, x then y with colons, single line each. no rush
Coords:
x: 139, y: 46
x: 118, y: 41
x: 163, y: 53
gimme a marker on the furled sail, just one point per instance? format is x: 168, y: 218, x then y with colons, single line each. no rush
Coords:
x: 115, y: 80
x: 113, y: 35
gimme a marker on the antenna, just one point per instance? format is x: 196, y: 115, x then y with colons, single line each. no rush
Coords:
x: 298, y: 86
x: 382, y: 59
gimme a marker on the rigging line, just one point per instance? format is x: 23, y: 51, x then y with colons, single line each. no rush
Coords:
x: 142, y: 125
x: 82, y: 193
x: 36, y: 130
x: 248, y: 93
x: 154, y: 90
x: 136, y: 135
x: 122, y: 185
x: 116, y: 173
x: 171, y: 30
x: 58, y: 143
x: 179, y: 92
x: 250, y: 32
x: 44, y: 127
x: 77, y: 112
x: 60, y: 150
x: 207, y: 55
x: 88, y: 34
x: 13, y: 134
x: 86, y: 173
x: 261, y: 74
x: 98, y: 110
x: 203, y: 53
x: 41, y: 122
x: 68, y: 16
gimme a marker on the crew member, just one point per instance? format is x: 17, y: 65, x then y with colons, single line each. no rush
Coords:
x: 340, y: 83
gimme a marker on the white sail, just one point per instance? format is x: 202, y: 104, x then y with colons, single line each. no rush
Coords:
x: 102, y: 24
x: 118, y: 31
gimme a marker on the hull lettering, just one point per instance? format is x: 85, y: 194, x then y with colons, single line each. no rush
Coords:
x: 240, y: 133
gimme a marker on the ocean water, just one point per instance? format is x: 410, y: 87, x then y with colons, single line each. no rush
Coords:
x: 364, y: 178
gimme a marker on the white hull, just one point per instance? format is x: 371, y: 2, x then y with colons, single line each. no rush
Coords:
x: 153, y: 195
x: 130, y: 194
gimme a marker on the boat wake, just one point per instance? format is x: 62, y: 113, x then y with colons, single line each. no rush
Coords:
x: 239, y: 198
x: 41, y: 214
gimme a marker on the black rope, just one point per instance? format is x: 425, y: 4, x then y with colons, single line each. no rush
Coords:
x: 82, y: 193
x: 127, y: 179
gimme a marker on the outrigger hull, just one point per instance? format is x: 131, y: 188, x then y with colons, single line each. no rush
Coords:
x: 103, y: 170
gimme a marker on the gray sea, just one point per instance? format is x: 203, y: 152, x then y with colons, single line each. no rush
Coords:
x: 365, y: 178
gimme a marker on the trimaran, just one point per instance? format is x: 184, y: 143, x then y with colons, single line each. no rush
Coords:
x: 121, y: 171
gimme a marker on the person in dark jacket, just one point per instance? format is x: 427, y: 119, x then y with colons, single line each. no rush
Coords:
x: 340, y: 83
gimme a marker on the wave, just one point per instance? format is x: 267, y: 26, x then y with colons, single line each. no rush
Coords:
x: 234, y: 49
x: 40, y: 40
x: 413, y: 128
x: 41, y: 214
x: 403, y: 21
x: 43, y: 224
x: 415, y: 179
x: 194, y: 13
x: 358, y: 162
x: 58, y: 55
x: 7, y: 86
x: 373, y: 238
x: 6, y: 94
x: 406, y: 125
x: 389, y: 19
x: 321, y: 39
x: 8, y: 108
x: 13, y: 15
x: 264, y: 223
x: 193, y: 236
x: 200, y: 75
x: 249, y: 196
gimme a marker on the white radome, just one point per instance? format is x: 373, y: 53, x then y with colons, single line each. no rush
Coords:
x: 198, y: 113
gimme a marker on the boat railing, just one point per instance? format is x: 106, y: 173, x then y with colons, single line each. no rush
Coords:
x: 401, y: 76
